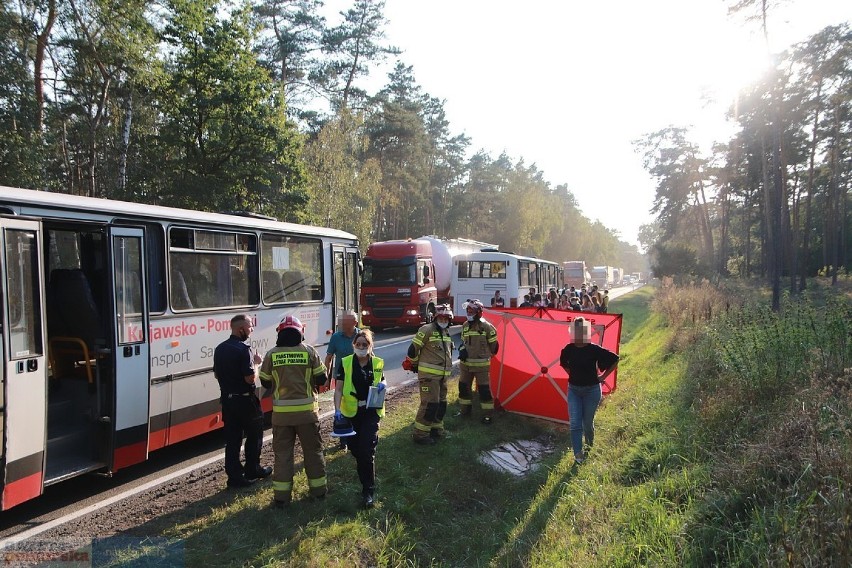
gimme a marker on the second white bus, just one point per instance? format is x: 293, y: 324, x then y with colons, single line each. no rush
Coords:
x: 478, y: 275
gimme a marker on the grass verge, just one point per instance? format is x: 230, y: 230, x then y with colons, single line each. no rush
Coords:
x: 695, y: 464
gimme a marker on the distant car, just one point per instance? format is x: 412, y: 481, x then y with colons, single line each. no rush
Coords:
x: 628, y: 281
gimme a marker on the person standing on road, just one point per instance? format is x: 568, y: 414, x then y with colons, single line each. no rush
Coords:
x: 358, y: 372
x: 430, y: 355
x: 497, y: 301
x: 234, y: 368
x: 588, y: 366
x: 478, y: 345
x: 294, y: 372
x: 340, y: 345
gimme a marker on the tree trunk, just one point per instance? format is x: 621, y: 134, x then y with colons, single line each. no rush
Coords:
x: 125, y: 144
x: 808, y: 198
x: 38, y: 68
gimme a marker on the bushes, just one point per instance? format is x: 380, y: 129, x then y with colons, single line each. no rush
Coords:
x: 772, y: 396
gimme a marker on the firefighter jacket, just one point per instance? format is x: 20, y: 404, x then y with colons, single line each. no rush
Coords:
x: 292, y: 373
x: 349, y: 402
x: 432, y: 350
x: 480, y: 340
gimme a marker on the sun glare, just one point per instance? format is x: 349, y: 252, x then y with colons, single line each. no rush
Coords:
x: 736, y: 67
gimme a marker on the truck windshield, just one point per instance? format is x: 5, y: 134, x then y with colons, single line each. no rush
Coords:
x: 392, y: 272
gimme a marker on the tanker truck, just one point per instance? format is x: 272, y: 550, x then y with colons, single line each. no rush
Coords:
x: 403, y: 280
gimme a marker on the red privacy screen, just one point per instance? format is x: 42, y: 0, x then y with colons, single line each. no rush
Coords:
x: 525, y: 374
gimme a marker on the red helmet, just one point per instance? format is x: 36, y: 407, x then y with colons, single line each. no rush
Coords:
x: 291, y: 322
x: 474, y: 305
x: 444, y: 310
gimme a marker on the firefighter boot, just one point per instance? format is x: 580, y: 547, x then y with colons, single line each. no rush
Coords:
x: 465, y: 410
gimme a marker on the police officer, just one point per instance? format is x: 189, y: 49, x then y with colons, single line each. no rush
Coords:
x: 234, y: 368
x: 478, y: 345
x: 358, y: 373
x: 430, y: 356
x: 294, y: 372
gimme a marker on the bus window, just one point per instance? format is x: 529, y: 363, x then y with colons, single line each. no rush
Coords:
x: 298, y: 263
x: 211, y: 269
x: 23, y: 300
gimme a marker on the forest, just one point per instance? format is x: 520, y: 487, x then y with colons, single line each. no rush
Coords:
x: 262, y: 106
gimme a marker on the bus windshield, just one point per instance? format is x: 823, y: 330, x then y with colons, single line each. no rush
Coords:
x: 377, y: 272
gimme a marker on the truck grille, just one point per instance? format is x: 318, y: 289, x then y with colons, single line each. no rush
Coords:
x: 388, y: 313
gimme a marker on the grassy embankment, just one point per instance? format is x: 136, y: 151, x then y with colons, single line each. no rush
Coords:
x: 727, y: 442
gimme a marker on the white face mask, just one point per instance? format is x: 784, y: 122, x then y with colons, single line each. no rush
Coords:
x: 443, y: 324
x: 361, y: 352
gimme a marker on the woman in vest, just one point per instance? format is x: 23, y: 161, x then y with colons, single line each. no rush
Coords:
x: 359, y: 372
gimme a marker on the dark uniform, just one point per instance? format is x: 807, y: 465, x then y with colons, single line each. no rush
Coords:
x: 357, y: 381
x: 241, y: 412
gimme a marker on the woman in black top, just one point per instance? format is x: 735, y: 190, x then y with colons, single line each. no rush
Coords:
x: 584, y: 361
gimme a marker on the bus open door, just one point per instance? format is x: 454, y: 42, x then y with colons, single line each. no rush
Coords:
x: 131, y: 347
x: 24, y: 389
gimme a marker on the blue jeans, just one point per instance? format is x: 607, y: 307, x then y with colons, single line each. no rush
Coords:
x: 582, y: 404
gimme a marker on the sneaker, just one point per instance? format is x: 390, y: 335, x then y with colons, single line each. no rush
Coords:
x: 579, y: 459
x: 239, y: 482
x: 369, y: 500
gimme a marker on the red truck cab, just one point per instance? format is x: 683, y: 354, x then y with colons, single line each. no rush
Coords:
x: 398, y: 284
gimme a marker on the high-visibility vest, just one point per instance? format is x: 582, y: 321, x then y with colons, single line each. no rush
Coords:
x: 348, y: 401
x: 433, y: 351
x: 291, y: 371
x: 478, y: 338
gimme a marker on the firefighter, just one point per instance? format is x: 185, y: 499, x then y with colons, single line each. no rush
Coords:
x: 478, y: 345
x: 430, y: 355
x: 294, y: 372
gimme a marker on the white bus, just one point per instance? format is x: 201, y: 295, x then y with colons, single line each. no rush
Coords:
x: 478, y: 275
x: 111, y: 312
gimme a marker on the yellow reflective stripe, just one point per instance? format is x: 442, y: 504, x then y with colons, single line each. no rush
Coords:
x: 422, y: 427
x: 417, y: 341
x: 427, y: 368
x: 465, y: 401
x: 298, y: 408
x: 475, y: 363
x: 318, y: 482
x: 282, y: 485
x: 487, y: 405
x: 263, y: 375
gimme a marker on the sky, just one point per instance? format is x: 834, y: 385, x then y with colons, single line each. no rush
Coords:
x: 569, y: 85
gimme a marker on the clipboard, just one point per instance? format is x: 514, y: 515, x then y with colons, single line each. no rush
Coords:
x: 376, y: 397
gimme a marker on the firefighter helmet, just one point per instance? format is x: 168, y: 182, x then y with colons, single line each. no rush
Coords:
x: 474, y: 305
x: 443, y: 310
x: 291, y: 322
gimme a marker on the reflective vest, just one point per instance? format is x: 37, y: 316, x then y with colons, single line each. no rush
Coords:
x: 291, y: 371
x: 433, y: 351
x: 348, y: 401
x: 478, y: 338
